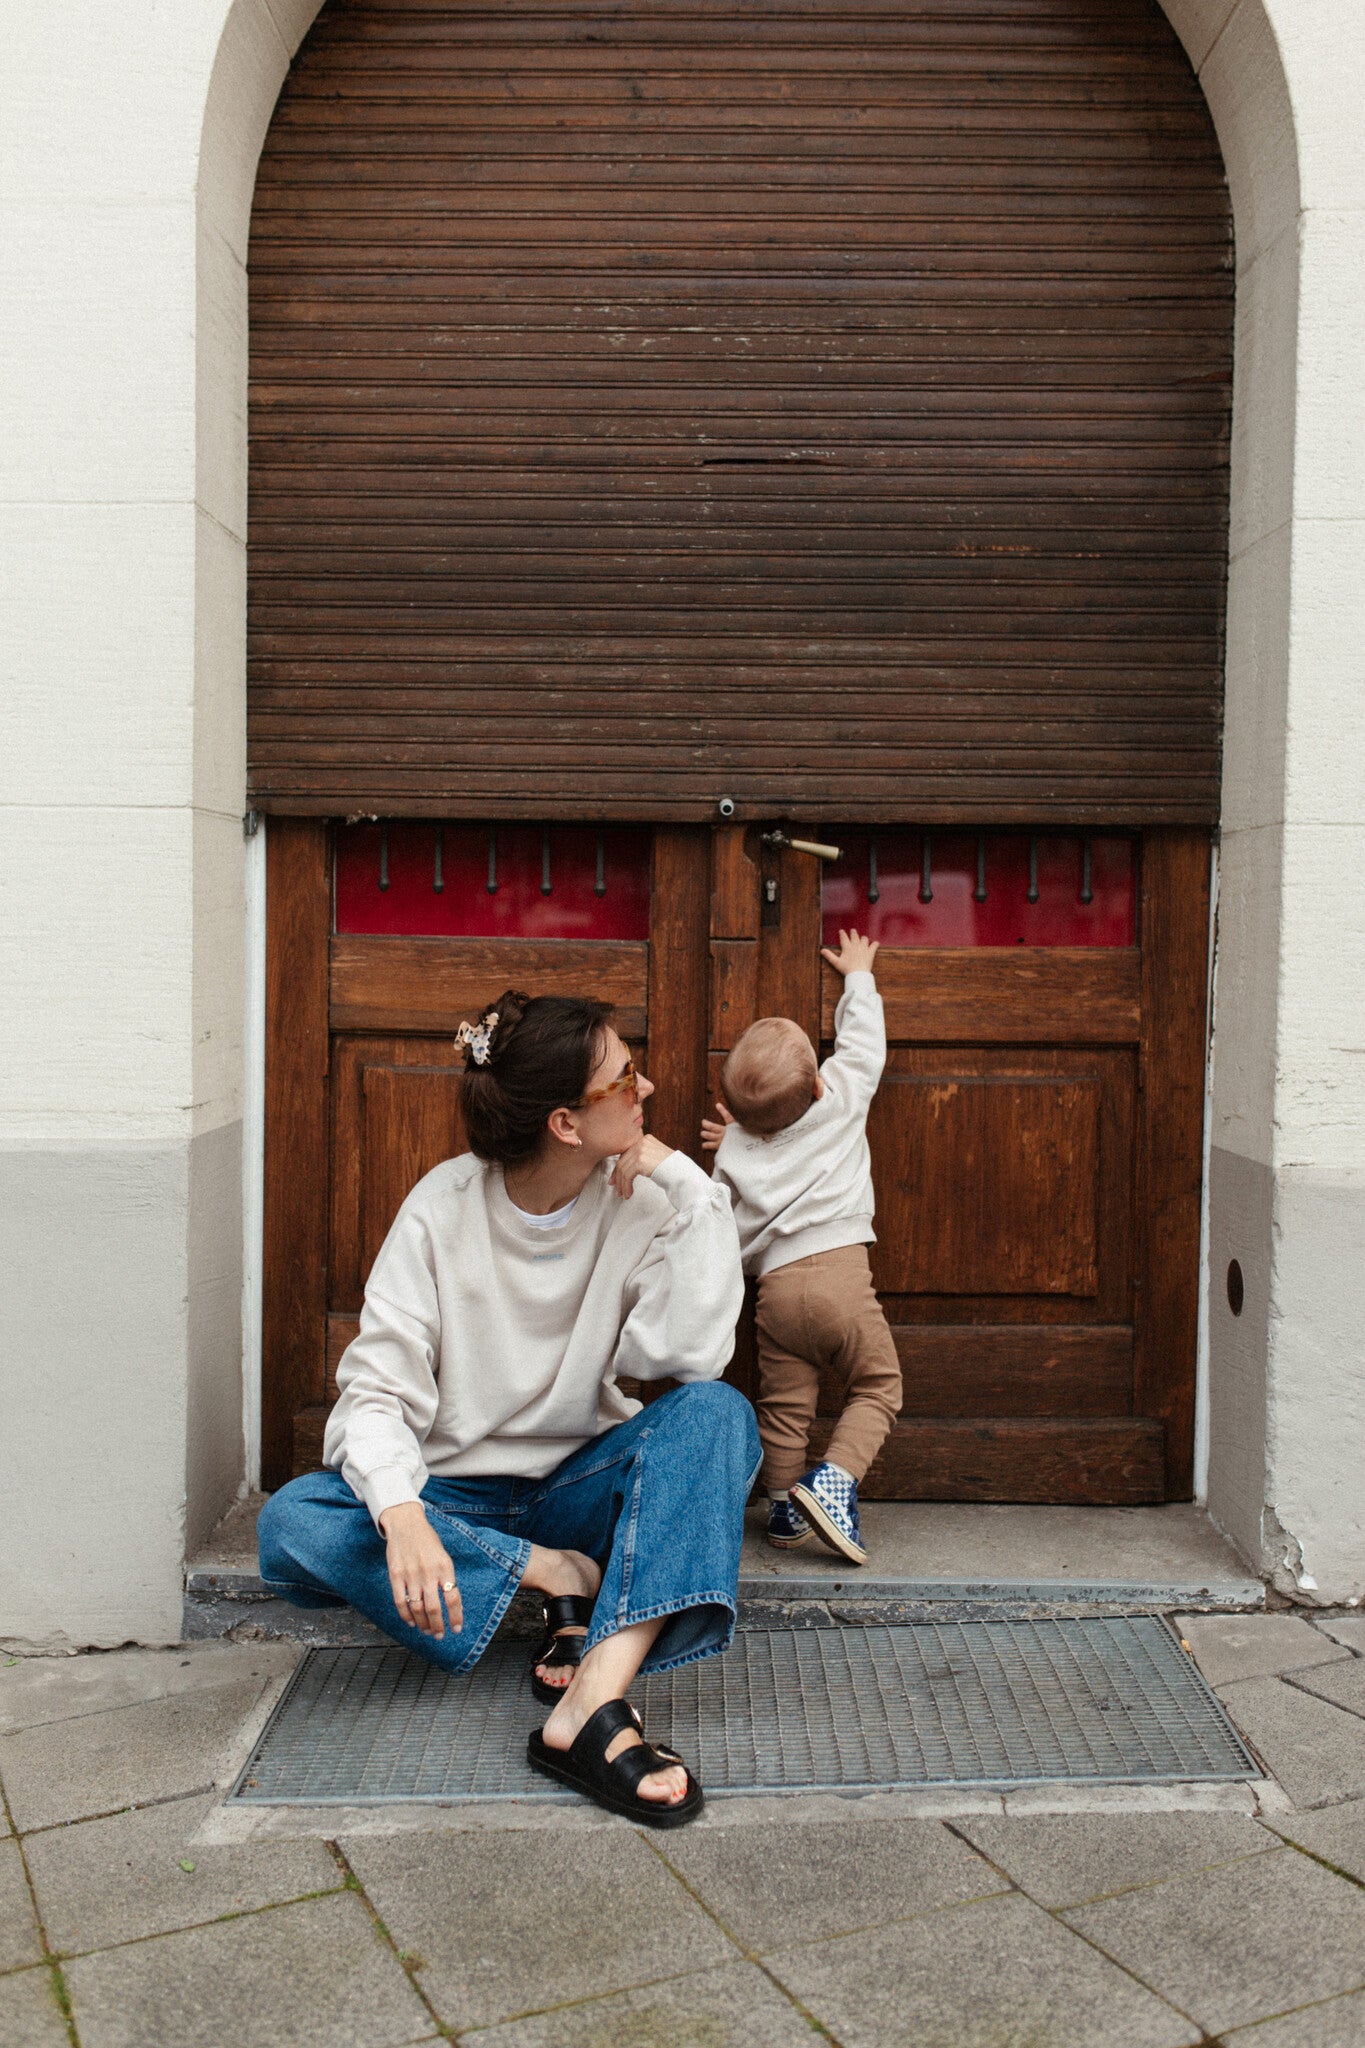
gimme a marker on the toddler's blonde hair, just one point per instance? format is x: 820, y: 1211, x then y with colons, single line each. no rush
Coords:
x: 768, y: 1079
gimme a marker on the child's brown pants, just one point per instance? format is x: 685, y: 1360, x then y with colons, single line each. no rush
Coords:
x: 822, y: 1312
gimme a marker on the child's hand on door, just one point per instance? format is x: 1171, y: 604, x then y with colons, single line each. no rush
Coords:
x: 853, y: 955
x: 712, y: 1133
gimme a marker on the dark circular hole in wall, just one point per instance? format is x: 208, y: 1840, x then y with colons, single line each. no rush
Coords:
x: 1236, y: 1290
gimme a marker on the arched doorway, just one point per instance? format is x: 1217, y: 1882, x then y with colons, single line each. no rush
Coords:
x: 823, y: 413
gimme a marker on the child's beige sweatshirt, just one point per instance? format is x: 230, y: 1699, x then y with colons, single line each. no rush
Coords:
x: 490, y: 1345
x: 809, y: 1188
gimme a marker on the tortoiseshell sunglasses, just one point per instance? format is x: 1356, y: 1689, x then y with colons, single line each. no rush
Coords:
x: 627, y: 1078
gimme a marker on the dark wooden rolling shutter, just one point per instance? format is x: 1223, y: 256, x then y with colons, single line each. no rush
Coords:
x: 825, y: 404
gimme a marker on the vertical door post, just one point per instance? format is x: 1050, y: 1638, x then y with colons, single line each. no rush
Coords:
x: 294, y: 1303
x: 1174, y: 937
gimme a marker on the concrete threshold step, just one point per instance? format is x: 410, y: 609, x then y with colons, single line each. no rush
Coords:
x: 237, y: 1604
x: 931, y: 1562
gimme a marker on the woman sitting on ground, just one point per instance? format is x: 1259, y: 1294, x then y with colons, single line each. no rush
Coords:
x: 480, y: 1441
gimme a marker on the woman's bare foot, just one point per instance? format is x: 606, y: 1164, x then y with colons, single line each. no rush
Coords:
x: 561, y: 1571
x: 606, y: 1674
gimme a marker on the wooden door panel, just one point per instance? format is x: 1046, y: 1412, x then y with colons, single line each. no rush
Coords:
x: 1111, y: 1462
x: 986, y: 1185
x: 402, y: 984
x: 734, y: 990
x: 1004, y: 1369
x: 342, y: 1328
x: 395, y: 1115
x: 411, y: 1122
x: 1025, y: 995
x: 1005, y: 1173
x: 1004, y: 1184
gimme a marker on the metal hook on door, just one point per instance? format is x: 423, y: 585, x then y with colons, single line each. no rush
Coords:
x: 492, y: 883
x: 1087, y: 893
x: 383, y: 856
x: 874, y: 887
x: 546, y: 885
x: 599, y: 887
x: 926, y: 874
x: 1033, y: 867
x: 979, y: 893
x: 438, y: 879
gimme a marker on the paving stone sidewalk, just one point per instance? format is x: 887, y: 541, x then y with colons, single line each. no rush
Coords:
x: 129, y: 1919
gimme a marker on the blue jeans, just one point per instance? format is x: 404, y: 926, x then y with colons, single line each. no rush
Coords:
x: 658, y: 1502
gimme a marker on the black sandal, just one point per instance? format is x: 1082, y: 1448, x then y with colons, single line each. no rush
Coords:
x: 613, y: 1785
x: 563, y: 1610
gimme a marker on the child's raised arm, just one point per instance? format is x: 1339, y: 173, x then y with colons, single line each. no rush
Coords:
x: 859, y: 1026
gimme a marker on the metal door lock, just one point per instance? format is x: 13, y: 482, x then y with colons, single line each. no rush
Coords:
x: 770, y: 890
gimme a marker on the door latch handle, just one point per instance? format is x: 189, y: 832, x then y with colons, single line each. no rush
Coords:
x: 820, y: 851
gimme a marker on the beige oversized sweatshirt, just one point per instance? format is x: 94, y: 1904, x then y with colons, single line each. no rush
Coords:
x: 808, y: 1188
x: 490, y: 1345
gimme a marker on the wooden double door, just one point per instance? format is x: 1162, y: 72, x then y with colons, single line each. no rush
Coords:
x: 1036, y: 1139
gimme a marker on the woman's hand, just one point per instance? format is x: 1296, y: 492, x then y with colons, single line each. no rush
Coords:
x: 642, y: 1158
x: 420, y: 1572
x: 712, y: 1133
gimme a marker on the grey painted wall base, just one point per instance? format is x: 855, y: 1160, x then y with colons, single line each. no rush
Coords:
x: 92, y: 1388
x: 120, y: 1383
x: 1241, y: 1199
x: 1287, y: 1375
x: 1314, y: 1538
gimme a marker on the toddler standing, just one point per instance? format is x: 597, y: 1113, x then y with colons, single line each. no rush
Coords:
x: 791, y: 1145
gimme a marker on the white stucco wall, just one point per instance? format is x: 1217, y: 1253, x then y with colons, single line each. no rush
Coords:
x: 128, y: 145
x: 122, y: 525
x: 1287, y: 1176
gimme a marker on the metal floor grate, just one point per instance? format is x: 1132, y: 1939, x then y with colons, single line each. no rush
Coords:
x: 929, y: 1703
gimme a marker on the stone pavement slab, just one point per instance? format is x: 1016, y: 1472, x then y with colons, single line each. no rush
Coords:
x: 1238, y: 1943
x: 1337, y: 1834
x: 316, y: 1975
x: 1315, y: 1750
x: 106, y: 1881
x: 734, y: 2007
x: 999, y: 1974
x: 1340, y: 2023
x: 1232, y: 1646
x: 1345, y: 1628
x: 507, y: 1926
x: 95, y: 1763
x: 30, y: 2016
x: 1066, y: 1859
x: 1342, y: 1684
x: 763, y: 1883
x: 19, y: 1939
x: 37, y: 1689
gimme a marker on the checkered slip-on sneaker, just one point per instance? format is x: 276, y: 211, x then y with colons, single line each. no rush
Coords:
x: 787, y: 1526
x: 829, y: 1501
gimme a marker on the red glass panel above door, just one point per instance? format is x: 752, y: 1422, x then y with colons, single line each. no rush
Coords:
x: 503, y: 882
x: 911, y: 888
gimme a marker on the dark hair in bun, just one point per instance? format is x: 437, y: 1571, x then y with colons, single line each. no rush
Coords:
x: 539, y: 1057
